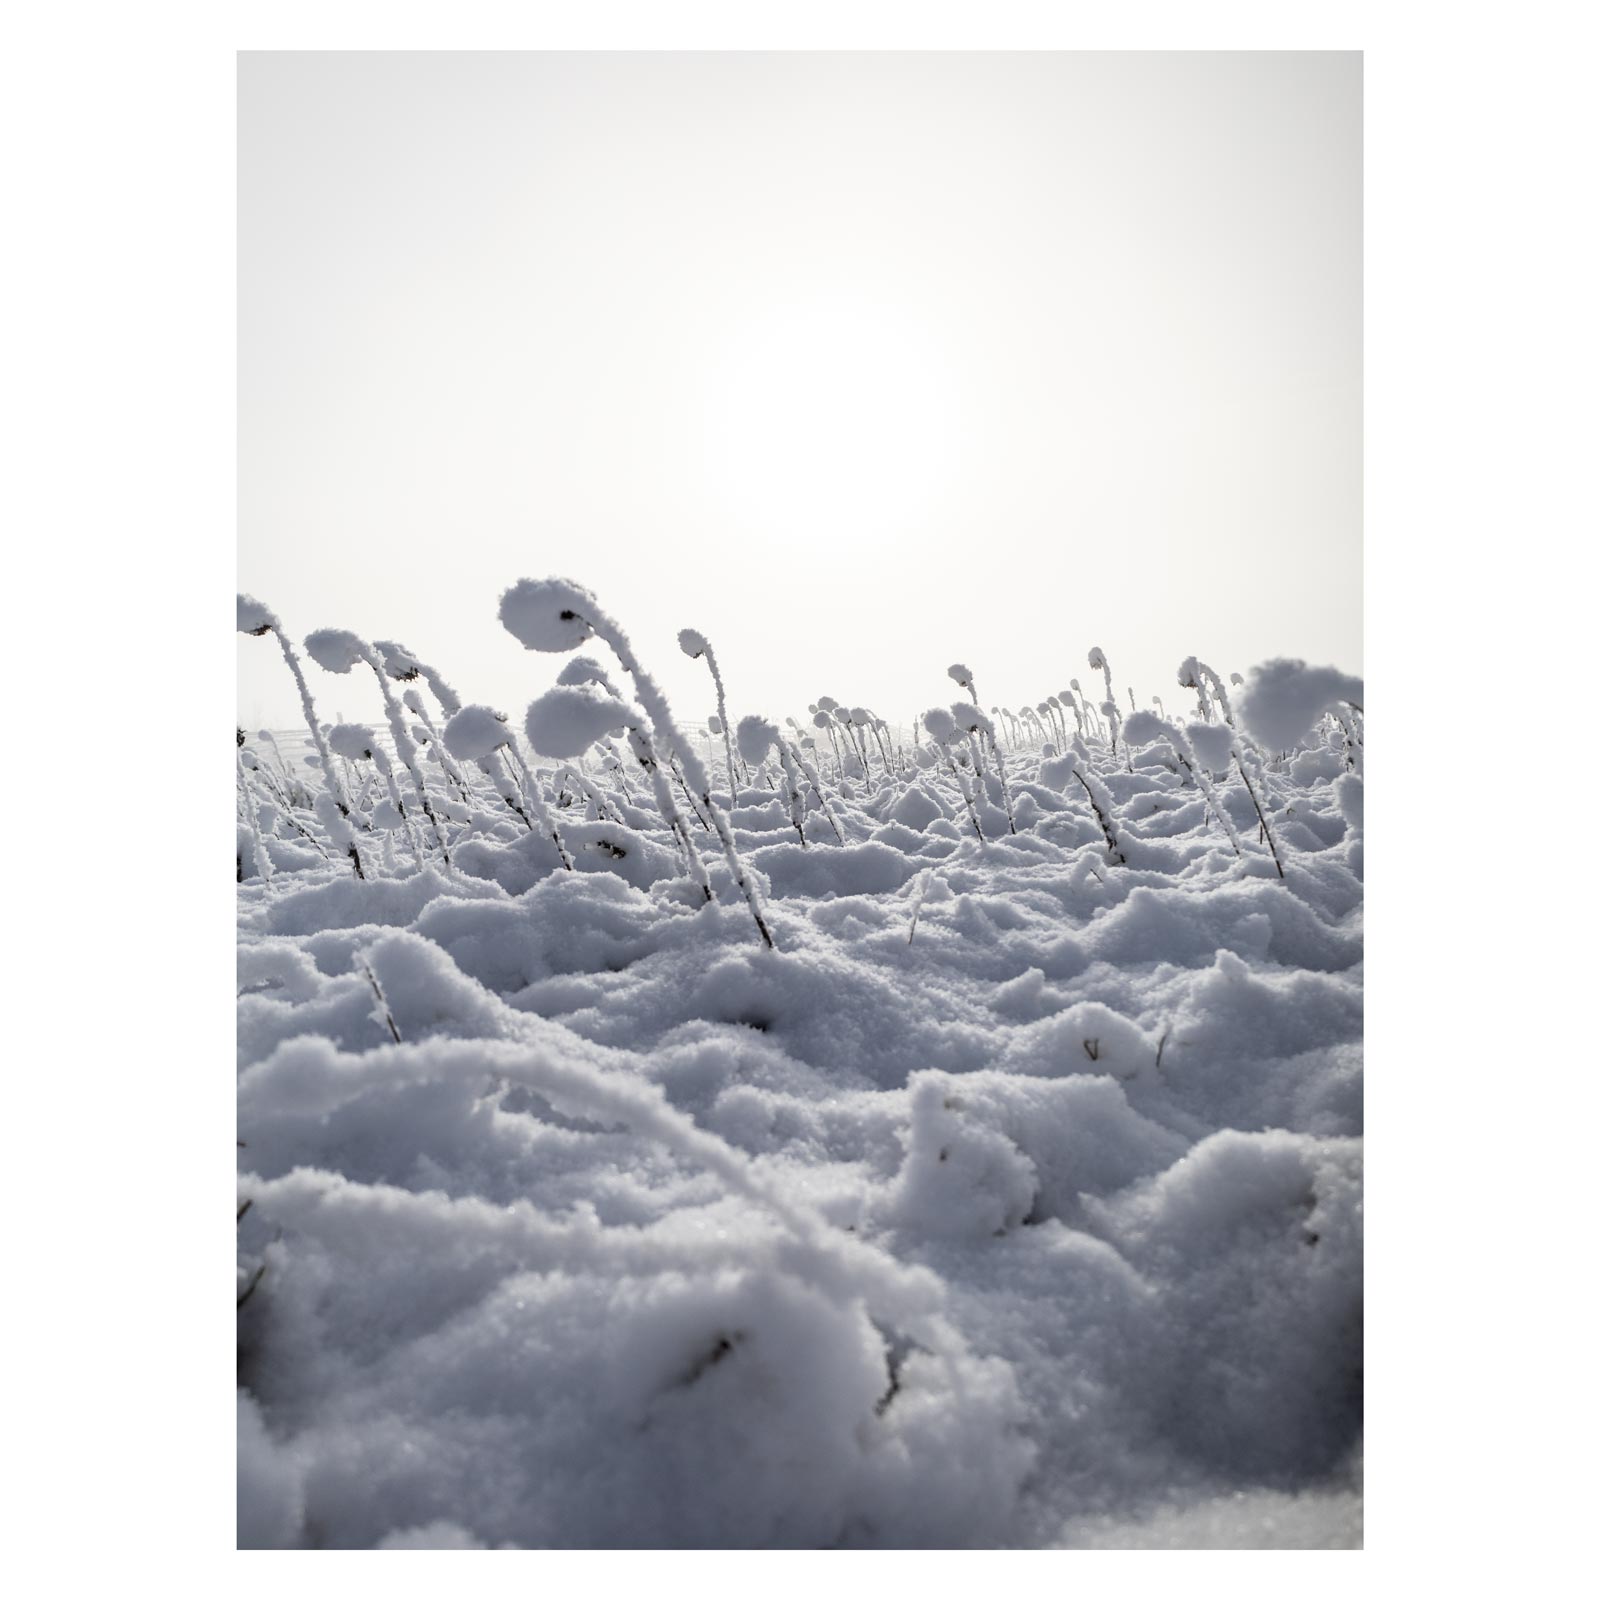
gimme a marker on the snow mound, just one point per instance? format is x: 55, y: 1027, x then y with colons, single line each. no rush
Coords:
x: 916, y: 808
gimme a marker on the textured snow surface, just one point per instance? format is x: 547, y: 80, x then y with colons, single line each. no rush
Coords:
x: 579, y: 1218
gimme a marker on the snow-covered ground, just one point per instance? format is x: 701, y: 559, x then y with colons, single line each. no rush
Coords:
x: 1012, y: 1196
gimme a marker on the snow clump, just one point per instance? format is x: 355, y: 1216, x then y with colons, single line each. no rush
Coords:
x: 253, y: 616
x: 1283, y: 699
x: 355, y: 741
x: 1212, y: 743
x: 756, y: 738
x: 335, y: 649
x: 547, y: 614
x: 475, y: 732
x: 564, y: 721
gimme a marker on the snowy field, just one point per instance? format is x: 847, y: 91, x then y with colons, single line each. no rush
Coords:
x: 820, y: 1133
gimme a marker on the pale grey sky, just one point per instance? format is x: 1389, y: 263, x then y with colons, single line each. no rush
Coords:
x: 861, y: 364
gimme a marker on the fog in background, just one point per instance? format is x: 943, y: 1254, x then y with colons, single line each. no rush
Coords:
x: 860, y: 364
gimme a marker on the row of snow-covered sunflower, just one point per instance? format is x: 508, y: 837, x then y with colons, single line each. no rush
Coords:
x: 585, y: 713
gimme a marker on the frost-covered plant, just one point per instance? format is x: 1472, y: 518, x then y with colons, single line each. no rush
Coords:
x: 963, y: 677
x: 401, y: 663
x: 356, y: 742
x: 1213, y: 744
x: 264, y: 775
x: 1145, y: 727
x: 856, y: 720
x: 843, y: 719
x: 1100, y: 802
x: 1224, y: 742
x: 336, y: 824
x: 824, y: 720
x: 1282, y: 702
x: 480, y: 733
x: 943, y: 730
x: 977, y: 726
x: 880, y: 732
x: 565, y: 720
x: 286, y: 792
x: 1284, y: 698
x: 604, y: 811
x: 553, y: 614
x: 694, y: 645
x: 256, y: 619
x: 263, y: 861
x: 861, y: 722
x: 1220, y: 691
x: 1244, y: 761
x: 836, y: 719
x: 417, y: 706
x: 671, y: 765
x: 1190, y: 677
x: 1195, y: 674
x: 572, y: 718
x: 614, y: 762
x: 814, y: 778
x: 281, y: 783
x: 1350, y: 736
x: 659, y: 764
x: 1093, y: 724
x: 339, y: 650
x: 757, y: 740
x: 797, y: 739
x: 1097, y: 659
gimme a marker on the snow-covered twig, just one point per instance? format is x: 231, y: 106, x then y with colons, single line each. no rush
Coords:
x: 556, y: 615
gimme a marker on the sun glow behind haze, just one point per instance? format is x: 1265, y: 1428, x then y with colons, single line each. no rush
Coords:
x: 859, y: 364
x: 834, y: 421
